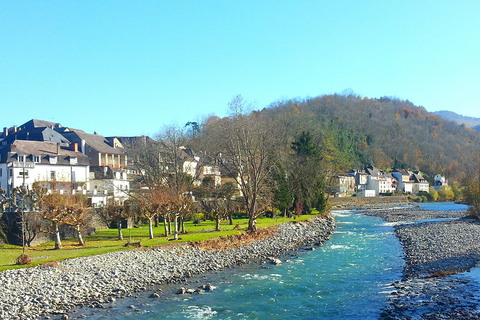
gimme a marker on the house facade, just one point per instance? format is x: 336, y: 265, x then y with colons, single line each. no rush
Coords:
x: 23, y: 163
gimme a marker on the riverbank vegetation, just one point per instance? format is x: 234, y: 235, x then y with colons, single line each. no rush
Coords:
x: 104, y: 241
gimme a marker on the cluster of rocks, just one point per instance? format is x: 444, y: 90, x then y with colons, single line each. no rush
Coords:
x: 93, y: 281
x: 434, y: 252
x: 432, y: 298
x: 411, y: 213
x: 450, y: 246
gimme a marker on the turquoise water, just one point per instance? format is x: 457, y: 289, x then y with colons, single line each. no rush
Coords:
x: 347, y: 278
x: 443, y: 206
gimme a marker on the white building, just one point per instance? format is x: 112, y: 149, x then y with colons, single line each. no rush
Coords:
x: 439, y: 181
x: 26, y: 162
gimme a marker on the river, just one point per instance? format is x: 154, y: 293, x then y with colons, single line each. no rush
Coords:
x: 349, y: 277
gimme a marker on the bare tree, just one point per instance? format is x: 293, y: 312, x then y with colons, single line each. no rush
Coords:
x: 248, y: 142
x: 115, y: 212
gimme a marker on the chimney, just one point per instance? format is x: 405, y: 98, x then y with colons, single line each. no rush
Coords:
x: 5, y: 131
x: 74, y: 146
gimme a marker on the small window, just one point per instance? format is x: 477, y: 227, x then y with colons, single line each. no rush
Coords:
x: 53, y: 159
x: 37, y: 159
x: 21, y: 158
x: 73, y: 160
x: 52, y: 175
x: 23, y: 173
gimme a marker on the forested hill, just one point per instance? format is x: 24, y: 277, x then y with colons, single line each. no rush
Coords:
x: 468, y: 121
x: 383, y: 132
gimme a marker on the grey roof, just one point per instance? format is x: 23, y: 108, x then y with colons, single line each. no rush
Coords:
x: 43, y: 149
x: 35, y: 123
x: 402, y: 171
x: 37, y: 134
x: 417, y: 177
x: 94, y: 141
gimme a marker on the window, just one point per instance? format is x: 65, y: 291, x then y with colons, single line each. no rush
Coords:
x: 23, y: 173
x: 21, y: 158
x: 37, y: 159
x: 73, y: 160
x: 53, y: 159
x: 52, y: 175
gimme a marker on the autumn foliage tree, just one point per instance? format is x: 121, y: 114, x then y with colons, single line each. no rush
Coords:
x: 77, y: 214
x: 53, y: 209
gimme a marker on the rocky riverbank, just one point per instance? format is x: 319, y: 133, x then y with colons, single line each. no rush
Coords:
x: 435, y: 251
x: 31, y: 293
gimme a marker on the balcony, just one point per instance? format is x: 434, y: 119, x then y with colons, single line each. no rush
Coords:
x: 18, y: 164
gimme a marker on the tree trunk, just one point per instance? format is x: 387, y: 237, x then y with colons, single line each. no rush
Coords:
x: 175, y: 225
x: 120, y: 233
x: 230, y: 218
x: 150, y: 227
x: 165, y: 226
x: 169, y: 225
x: 156, y: 221
x: 79, y: 235
x: 183, y: 226
x: 252, y: 224
x: 58, y: 241
x: 217, y: 223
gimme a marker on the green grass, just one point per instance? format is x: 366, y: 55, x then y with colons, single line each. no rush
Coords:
x: 106, y: 241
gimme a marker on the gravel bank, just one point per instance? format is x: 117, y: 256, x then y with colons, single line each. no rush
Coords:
x: 92, y: 281
x: 433, y: 252
x: 411, y: 213
x: 440, y: 246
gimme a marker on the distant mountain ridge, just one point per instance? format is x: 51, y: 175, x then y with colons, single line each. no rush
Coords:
x: 470, y: 122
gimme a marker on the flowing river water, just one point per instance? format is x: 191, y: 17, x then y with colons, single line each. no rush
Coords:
x: 349, y: 277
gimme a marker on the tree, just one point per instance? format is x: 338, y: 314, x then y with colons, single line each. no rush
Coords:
x: 248, y: 146
x: 471, y: 192
x: 53, y: 209
x: 445, y: 193
x: 23, y: 201
x: 77, y: 214
x: 433, y: 193
x: 283, y: 197
x: 306, y: 174
x: 114, y: 212
x: 215, y: 200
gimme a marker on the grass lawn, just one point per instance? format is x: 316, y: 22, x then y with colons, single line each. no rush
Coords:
x: 106, y: 241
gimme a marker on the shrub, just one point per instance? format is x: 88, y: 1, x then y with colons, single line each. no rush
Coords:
x: 23, y: 259
x: 197, y: 218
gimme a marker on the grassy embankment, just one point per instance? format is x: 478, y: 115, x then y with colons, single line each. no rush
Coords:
x: 106, y: 241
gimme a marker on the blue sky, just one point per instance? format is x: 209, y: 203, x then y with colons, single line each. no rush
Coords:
x: 132, y: 67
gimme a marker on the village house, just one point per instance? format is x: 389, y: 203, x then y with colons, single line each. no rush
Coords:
x: 343, y: 185
x: 374, y: 182
x: 23, y: 162
x: 58, y: 145
x: 108, y: 161
x: 439, y: 181
x: 420, y: 184
x: 404, y: 184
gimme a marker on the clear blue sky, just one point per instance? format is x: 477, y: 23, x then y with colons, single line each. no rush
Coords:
x: 131, y: 67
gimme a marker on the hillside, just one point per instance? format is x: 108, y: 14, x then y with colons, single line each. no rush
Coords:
x: 455, y: 117
x: 382, y: 132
